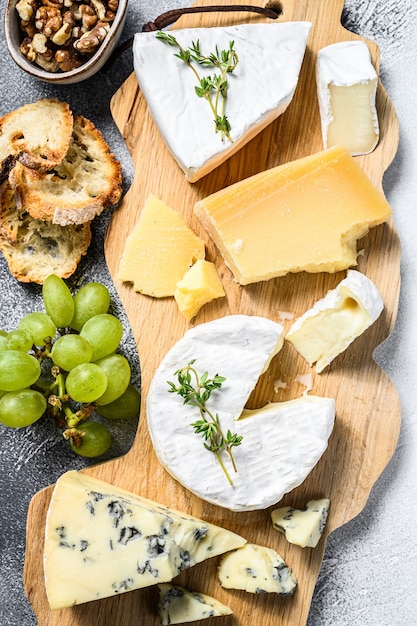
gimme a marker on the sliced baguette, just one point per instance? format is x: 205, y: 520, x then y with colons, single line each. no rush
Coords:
x: 88, y: 180
x: 34, y: 248
x: 38, y: 133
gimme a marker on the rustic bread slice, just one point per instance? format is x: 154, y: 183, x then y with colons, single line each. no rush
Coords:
x: 88, y: 180
x: 33, y: 248
x: 38, y: 133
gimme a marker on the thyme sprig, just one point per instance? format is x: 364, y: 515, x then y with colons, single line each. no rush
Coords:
x: 196, y: 391
x: 212, y: 88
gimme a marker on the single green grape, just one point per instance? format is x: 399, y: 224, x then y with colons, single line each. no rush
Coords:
x: 21, y: 408
x: 58, y: 301
x: 40, y: 327
x: 18, y: 339
x: 103, y: 332
x: 126, y: 406
x: 71, y: 350
x: 95, y: 441
x: 86, y: 382
x: 18, y: 370
x: 117, y: 370
x: 90, y: 300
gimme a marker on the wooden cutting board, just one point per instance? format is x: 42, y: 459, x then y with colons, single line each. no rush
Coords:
x: 367, y: 406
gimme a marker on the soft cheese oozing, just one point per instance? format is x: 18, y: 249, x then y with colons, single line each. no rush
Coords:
x: 281, y: 441
x: 346, y: 89
x: 260, y: 89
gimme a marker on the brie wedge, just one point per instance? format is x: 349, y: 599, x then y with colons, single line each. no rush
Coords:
x: 260, y: 88
x: 335, y: 321
x: 281, y: 443
x: 346, y: 88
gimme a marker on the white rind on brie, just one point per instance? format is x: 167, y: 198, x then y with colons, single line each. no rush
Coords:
x: 346, y: 90
x: 282, y: 442
x: 260, y: 88
x: 335, y: 321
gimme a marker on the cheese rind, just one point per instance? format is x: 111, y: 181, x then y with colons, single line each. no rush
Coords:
x: 159, y: 250
x: 305, y: 215
x: 257, y: 569
x: 260, y: 88
x: 178, y: 605
x: 303, y: 528
x: 101, y: 540
x: 346, y: 89
x: 199, y: 285
x: 335, y: 321
x: 281, y: 441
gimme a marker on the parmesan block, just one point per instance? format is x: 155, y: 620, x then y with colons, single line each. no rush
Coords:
x: 200, y: 285
x: 305, y: 215
x: 159, y: 251
x: 101, y: 541
x: 303, y: 528
x: 256, y: 569
x: 260, y: 88
x: 181, y: 606
x: 335, y: 321
x: 346, y: 88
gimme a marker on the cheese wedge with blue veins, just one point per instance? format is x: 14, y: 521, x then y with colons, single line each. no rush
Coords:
x: 305, y: 527
x: 257, y: 569
x: 335, y: 321
x: 260, y: 88
x: 178, y: 605
x: 101, y: 541
x: 282, y: 441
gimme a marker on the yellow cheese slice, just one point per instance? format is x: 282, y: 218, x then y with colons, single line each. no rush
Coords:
x: 159, y: 251
x: 305, y: 215
x: 200, y: 285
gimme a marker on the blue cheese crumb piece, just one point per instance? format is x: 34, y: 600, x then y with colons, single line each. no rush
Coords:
x: 305, y: 527
x: 257, y: 569
x: 178, y: 605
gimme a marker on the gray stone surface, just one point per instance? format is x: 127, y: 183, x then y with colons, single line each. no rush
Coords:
x: 370, y: 565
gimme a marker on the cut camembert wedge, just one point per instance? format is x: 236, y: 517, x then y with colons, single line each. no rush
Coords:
x: 260, y: 88
x: 282, y: 441
x: 305, y: 215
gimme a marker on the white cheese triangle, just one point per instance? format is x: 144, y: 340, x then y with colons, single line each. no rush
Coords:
x: 260, y: 88
x: 178, y: 605
x: 281, y: 442
x: 101, y: 540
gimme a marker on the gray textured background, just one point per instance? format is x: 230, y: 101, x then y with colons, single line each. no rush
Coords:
x: 370, y: 565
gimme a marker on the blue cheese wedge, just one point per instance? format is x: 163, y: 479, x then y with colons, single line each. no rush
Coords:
x: 260, y: 88
x: 346, y: 87
x: 101, y: 541
x: 257, y: 569
x: 335, y: 321
x: 281, y: 443
x: 178, y: 605
x: 305, y: 527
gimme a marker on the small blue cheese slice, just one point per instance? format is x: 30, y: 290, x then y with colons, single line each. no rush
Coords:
x: 101, y: 541
x: 179, y: 606
x: 335, y: 321
x: 256, y: 569
x: 302, y: 527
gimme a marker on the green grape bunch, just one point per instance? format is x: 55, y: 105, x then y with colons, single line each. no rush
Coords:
x: 63, y: 363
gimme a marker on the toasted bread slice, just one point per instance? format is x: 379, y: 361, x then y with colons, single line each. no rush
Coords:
x: 88, y: 180
x: 38, y: 133
x: 34, y: 248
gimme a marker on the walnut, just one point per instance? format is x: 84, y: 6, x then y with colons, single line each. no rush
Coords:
x: 68, y: 59
x: 88, y: 17
x: 91, y: 40
x: 99, y: 8
x: 48, y: 20
x: 26, y: 9
x: 28, y: 50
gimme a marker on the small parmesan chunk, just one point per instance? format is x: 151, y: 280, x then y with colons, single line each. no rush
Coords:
x: 304, y: 528
x: 159, y: 251
x: 200, y: 285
